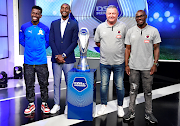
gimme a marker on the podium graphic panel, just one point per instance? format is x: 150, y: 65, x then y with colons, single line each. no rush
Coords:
x: 81, y: 94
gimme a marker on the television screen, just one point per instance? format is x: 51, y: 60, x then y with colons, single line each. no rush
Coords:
x: 4, y: 47
x: 162, y: 14
x: 3, y: 30
x: 3, y: 7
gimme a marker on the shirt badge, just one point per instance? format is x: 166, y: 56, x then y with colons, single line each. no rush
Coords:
x: 147, y: 36
x: 146, y: 41
x: 118, y: 36
x: 40, y: 32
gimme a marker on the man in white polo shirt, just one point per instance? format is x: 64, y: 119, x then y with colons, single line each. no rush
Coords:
x: 142, y: 41
x: 110, y: 37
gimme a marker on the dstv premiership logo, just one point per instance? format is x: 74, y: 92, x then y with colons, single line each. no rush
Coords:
x: 99, y: 12
x: 79, y: 84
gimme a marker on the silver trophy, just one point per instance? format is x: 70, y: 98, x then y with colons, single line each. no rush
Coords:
x: 83, y: 46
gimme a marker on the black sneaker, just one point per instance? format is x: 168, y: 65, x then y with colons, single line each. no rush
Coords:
x: 29, y: 109
x: 129, y: 115
x: 151, y: 118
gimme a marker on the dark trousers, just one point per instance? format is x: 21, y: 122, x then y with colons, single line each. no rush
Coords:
x: 42, y: 75
x: 147, y: 81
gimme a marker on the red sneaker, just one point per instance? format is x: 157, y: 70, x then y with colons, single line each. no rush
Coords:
x: 45, y: 108
x: 29, y: 109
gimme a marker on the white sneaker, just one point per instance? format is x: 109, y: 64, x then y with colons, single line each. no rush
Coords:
x: 45, y: 108
x: 120, y: 111
x: 65, y: 110
x: 55, y: 109
x: 102, y: 110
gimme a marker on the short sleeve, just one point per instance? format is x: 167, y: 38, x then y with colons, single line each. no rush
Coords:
x: 97, y: 35
x: 127, y: 38
x: 157, y: 38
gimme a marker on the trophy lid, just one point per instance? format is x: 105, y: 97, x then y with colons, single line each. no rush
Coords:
x: 83, y: 39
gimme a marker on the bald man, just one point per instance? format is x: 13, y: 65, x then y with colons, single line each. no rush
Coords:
x: 142, y: 42
x: 63, y: 38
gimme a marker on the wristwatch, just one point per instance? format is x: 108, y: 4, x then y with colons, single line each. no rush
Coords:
x: 157, y: 64
x: 64, y: 55
x: 56, y: 56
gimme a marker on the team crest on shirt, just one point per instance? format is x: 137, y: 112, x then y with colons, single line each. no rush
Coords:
x: 147, y: 36
x: 40, y: 32
x: 118, y: 36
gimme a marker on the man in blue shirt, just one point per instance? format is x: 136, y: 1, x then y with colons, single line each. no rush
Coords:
x: 34, y: 37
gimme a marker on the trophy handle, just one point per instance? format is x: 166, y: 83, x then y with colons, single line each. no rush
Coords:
x: 83, y: 50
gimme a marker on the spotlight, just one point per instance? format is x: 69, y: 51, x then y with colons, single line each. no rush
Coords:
x: 3, y: 79
x: 17, y: 72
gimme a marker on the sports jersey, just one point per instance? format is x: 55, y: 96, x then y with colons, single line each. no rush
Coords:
x: 141, y: 41
x: 35, y: 39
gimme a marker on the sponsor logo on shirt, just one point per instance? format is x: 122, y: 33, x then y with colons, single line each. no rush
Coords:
x: 30, y: 31
x: 146, y: 41
x: 118, y: 36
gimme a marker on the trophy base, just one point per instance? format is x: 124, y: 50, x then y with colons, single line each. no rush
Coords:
x: 79, y: 70
x: 83, y: 65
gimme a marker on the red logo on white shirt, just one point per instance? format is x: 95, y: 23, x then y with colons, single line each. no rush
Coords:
x: 146, y: 41
x: 147, y: 36
x: 118, y: 36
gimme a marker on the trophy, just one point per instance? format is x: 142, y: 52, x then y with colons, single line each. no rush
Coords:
x: 83, y: 46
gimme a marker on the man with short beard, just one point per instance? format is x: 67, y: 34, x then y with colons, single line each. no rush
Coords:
x: 63, y: 40
x: 34, y: 37
x: 142, y: 41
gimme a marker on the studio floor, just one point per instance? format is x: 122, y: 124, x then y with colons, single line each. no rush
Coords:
x: 166, y: 107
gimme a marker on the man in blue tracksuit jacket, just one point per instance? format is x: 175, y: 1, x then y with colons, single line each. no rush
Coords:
x: 34, y: 37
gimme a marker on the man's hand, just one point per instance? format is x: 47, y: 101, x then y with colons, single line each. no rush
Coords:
x: 98, y: 44
x: 156, y: 57
x: 60, y: 59
x: 153, y: 69
x: 127, y: 69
